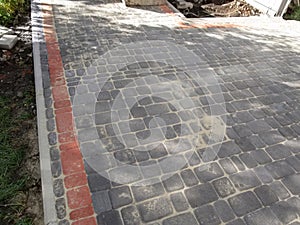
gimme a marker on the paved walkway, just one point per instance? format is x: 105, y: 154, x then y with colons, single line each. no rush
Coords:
x: 152, y: 118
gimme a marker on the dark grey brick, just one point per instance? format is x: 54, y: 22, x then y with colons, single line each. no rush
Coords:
x: 208, y: 172
x: 224, y: 187
x: 136, y: 125
x: 172, y: 163
x: 125, y: 156
x: 259, y: 126
x: 292, y: 183
x: 170, y: 118
x: 262, y: 216
x: 245, y: 144
x: 242, y: 105
x: 64, y: 222
x: 279, y: 151
x: 294, y: 162
x: 155, y: 209
x: 56, y: 169
x: 271, y: 137
x: 52, y: 138
x: 263, y: 174
x: 284, y: 212
x: 189, y: 178
x: 173, y: 183
x: 261, y: 156
x: 245, y: 180
x: 243, y: 117
x: 98, y: 182
x: 157, y: 109
x: 242, y: 130
x: 256, y: 141
x: 287, y: 132
x: 207, y: 215
x: 125, y: 174
x: 238, y: 163
x: 186, y: 218
x: 279, y: 169
x: 200, y: 195
x: 228, y: 166
x: 228, y: 148
x: 244, y: 203
x: 150, y: 168
x: 131, y: 216
x: 266, y: 195
x: 60, y: 206
x: 278, y: 188
x: 179, y: 202
x: 138, y: 112
x: 110, y: 217
x: 142, y: 193
x: 248, y: 160
x: 101, y: 202
x: 120, y: 196
x: 224, y: 211
x: 158, y: 151
x: 294, y: 203
x: 58, y: 188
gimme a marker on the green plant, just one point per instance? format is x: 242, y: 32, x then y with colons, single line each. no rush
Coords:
x: 8, y: 10
x: 294, y: 14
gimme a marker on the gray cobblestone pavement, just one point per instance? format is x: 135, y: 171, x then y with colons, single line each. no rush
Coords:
x: 181, y: 126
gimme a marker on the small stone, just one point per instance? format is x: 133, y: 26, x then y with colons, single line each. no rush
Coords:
x: 207, y: 215
x: 224, y: 187
x: 201, y: 194
x: 8, y: 41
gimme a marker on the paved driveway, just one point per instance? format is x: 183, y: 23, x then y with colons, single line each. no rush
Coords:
x: 155, y: 119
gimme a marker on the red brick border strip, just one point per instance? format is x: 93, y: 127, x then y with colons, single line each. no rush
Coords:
x: 79, y: 202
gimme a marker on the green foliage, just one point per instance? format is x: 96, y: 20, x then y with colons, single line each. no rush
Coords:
x: 295, y: 14
x: 8, y: 10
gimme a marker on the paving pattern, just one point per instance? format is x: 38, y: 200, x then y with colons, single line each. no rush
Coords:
x: 176, y: 123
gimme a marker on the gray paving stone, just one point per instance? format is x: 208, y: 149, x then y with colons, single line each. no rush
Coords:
x: 280, y: 191
x: 131, y: 216
x: 238, y: 163
x: 155, y: 209
x: 228, y: 149
x: 263, y: 174
x: 284, y: 212
x: 259, y: 126
x: 189, y: 178
x: 173, y: 183
x: 224, y: 211
x: 186, y: 218
x: 271, y: 137
x: 245, y: 180
x: 142, y: 193
x: 292, y: 182
x: 261, y: 156
x: 294, y: 162
x: 242, y: 130
x: 279, y: 169
x: 207, y: 215
x: 208, y: 172
x: 172, y: 163
x: 110, y: 217
x: 279, y: 151
x: 125, y: 174
x: 101, y: 202
x: 245, y: 144
x: 60, y: 206
x: 248, y: 160
x: 179, y: 202
x: 228, y: 166
x: 200, y: 195
x: 244, y: 203
x: 262, y: 216
x: 224, y: 187
x: 266, y: 195
x: 158, y: 151
x: 56, y: 168
x: 120, y: 196
x: 97, y: 182
x: 58, y: 188
x: 237, y: 222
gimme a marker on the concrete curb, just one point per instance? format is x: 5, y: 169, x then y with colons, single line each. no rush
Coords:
x: 46, y: 176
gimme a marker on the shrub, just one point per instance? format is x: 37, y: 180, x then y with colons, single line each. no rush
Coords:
x: 9, y: 9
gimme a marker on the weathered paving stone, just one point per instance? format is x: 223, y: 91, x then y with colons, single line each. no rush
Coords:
x: 125, y: 156
x: 131, y: 216
x: 173, y: 183
x: 224, y: 211
x: 237, y: 222
x: 258, y: 126
x: 101, y: 202
x: 60, y: 206
x: 208, y: 172
x: 248, y: 160
x: 186, y: 218
x: 243, y: 117
x: 228, y: 149
x: 280, y: 191
x: 179, y: 202
x: 224, y: 187
x: 64, y: 222
x: 142, y: 193
x: 109, y: 217
x: 172, y: 163
x: 158, y: 152
x: 292, y: 182
x: 207, y: 215
x: 242, y: 130
x: 97, y: 182
x: 200, y: 195
x: 279, y: 151
x: 261, y: 156
x: 238, y: 163
x: 228, y: 166
x: 58, y: 187
x: 245, y: 144
x: 244, y: 203
x: 266, y: 195
x: 56, y: 168
x: 120, y: 196
x: 155, y: 209
x: 125, y: 175
x: 262, y: 216
x: 279, y: 169
x: 294, y: 162
x: 189, y: 178
x: 271, y: 137
x: 284, y: 212
x: 263, y: 174
x: 245, y: 180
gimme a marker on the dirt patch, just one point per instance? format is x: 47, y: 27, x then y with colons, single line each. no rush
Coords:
x: 17, y: 85
x: 218, y: 8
